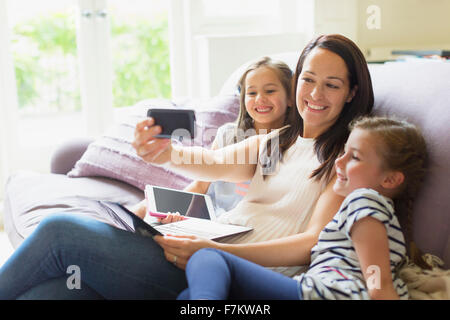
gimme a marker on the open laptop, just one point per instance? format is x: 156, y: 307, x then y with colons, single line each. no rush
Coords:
x: 201, y: 227
x: 196, y: 207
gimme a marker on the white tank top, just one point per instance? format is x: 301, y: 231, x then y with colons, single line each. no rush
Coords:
x: 282, y: 204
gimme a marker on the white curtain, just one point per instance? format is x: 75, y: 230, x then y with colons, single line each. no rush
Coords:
x: 8, y: 103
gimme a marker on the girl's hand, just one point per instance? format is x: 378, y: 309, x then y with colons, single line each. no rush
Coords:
x: 149, y: 148
x: 140, y: 209
x: 178, y: 249
x: 171, y: 217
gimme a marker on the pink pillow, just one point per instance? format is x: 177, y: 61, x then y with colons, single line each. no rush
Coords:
x: 113, y: 156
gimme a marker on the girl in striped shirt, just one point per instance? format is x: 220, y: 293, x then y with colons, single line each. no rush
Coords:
x: 359, y: 251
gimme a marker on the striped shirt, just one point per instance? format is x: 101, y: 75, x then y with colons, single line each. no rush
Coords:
x: 335, y: 272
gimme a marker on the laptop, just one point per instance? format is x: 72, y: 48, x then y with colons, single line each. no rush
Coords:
x: 126, y: 220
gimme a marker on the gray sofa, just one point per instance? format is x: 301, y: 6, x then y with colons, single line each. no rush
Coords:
x: 417, y: 90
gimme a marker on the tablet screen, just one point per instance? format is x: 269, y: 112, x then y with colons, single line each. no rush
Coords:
x: 187, y: 204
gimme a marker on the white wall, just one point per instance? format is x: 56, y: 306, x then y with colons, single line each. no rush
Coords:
x: 221, y: 55
x: 405, y: 24
x: 399, y: 24
x: 331, y: 16
x: 214, y: 46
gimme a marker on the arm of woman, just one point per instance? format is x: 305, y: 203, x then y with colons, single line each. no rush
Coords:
x: 371, y: 244
x: 202, y: 186
x: 195, y: 162
x: 293, y: 250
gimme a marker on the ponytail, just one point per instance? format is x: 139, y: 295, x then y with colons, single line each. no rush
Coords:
x: 415, y: 253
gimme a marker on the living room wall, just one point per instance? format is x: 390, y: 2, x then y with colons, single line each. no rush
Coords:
x: 404, y: 24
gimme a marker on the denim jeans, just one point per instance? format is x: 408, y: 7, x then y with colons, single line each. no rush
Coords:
x: 217, y: 275
x: 112, y: 264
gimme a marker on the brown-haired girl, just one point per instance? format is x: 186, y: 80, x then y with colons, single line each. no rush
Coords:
x: 265, y: 89
x: 358, y: 252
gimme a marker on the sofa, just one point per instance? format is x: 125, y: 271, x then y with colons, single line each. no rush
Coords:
x: 107, y: 168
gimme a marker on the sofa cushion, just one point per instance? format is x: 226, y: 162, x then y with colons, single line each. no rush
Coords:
x: 68, y: 153
x: 418, y: 90
x: 113, y: 156
x: 29, y: 197
x: 108, y: 170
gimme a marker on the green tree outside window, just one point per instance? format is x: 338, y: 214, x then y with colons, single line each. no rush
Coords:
x: 44, y: 51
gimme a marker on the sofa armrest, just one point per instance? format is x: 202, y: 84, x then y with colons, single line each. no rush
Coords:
x: 67, y: 154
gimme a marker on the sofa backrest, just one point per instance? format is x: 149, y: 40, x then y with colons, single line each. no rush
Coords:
x: 418, y: 90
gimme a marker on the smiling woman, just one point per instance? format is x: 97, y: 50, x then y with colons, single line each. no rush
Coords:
x: 324, y: 91
x: 351, y: 69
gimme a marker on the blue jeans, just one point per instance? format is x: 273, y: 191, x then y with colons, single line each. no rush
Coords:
x: 113, y: 264
x: 217, y: 275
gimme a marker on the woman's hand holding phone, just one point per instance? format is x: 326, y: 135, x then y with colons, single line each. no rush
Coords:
x: 148, y: 147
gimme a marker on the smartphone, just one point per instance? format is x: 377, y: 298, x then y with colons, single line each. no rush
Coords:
x: 175, y: 123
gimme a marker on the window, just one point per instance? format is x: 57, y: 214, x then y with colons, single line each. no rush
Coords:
x: 233, y: 8
x: 43, y: 45
x: 44, y: 48
x: 140, y: 50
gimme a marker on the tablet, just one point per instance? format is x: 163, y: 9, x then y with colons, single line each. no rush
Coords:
x: 126, y: 220
x: 161, y: 201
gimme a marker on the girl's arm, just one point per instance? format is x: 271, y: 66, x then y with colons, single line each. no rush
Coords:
x: 139, y: 209
x: 371, y: 243
x: 198, y: 187
x: 234, y: 163
x: 293, y: 250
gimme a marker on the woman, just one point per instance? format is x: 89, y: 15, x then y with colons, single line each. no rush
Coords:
x: 332, y: 87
